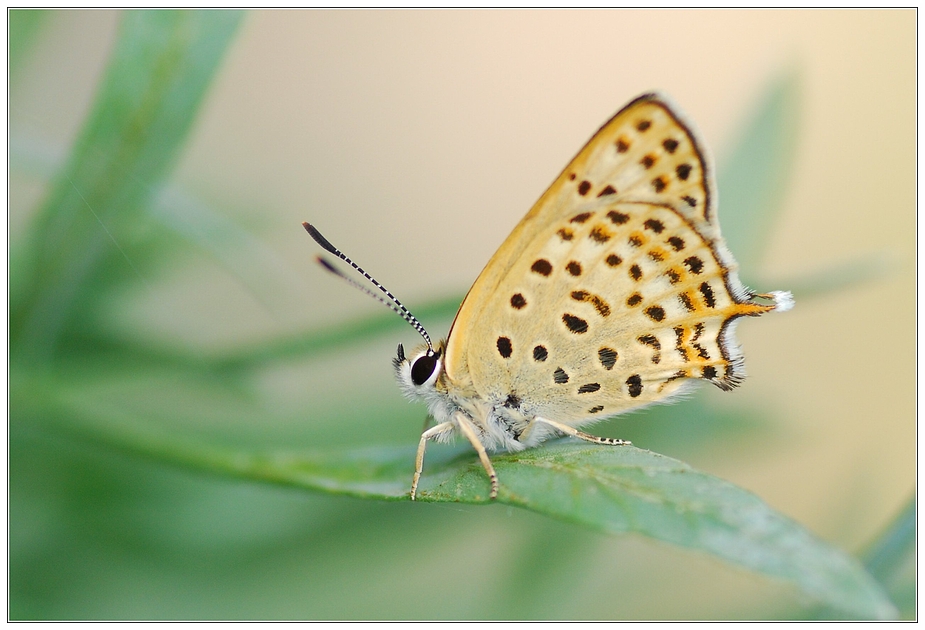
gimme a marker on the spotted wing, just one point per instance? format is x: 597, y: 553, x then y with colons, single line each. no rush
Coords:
x: 616, y: 288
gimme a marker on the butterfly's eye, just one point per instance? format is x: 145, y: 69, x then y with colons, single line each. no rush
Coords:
x: 423, y: 368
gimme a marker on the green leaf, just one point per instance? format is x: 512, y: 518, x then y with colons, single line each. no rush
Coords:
x: 161, y: 67
x: 891, y: 559
x: 612, y: 489
x: 632, y: 490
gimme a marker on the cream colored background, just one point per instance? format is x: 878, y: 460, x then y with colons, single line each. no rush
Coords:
x: 416, y: 140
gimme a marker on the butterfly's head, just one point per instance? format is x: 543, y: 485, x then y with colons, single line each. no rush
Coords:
x: 419, y: 372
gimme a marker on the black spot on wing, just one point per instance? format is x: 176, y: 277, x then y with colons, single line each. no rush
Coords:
x: 542, y: 267
x: 504, y: 347
x: 679, y: 332
x: 575, y: 324
x: 559, y: 376
x: 634, y: 384
x: 707, y: 292
x: 676, y: 242
x: 599, y: 234
x: 602, y: 307
x: 608, y: 357
x: 694, y: 264
x: 652, y: 342
x: 655, y: 225
x: 618, y: 218
x: 698, y: 332
x: 655, y: 313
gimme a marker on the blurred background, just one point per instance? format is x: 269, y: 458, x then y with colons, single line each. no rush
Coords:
x: 415, y: 140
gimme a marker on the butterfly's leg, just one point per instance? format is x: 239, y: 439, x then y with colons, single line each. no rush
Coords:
x: 564, y: 428
x: 469, y: 431
x: 430, y: 434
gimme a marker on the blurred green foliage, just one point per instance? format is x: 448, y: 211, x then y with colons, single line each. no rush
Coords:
x: 100, y: 528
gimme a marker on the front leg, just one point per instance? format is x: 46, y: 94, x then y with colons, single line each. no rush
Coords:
x: 430, y: 434
x: 468, y: 429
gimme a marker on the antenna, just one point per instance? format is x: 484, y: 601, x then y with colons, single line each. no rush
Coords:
x: 392, y: 302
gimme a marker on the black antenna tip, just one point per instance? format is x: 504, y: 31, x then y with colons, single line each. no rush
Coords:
x: 324, y: 263
x: 321, y: 240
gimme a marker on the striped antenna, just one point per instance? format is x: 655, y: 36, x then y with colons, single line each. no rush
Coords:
x: 392, y: 302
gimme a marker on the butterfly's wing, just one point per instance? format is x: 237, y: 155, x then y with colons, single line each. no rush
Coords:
x: 616, y: 288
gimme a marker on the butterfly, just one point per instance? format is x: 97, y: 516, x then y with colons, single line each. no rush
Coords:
x: 615, y: 291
